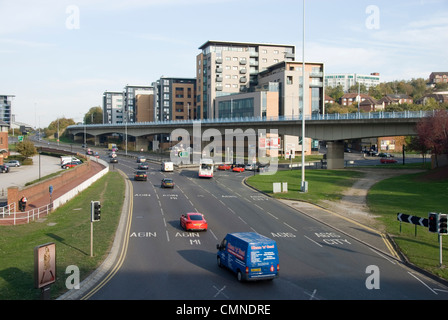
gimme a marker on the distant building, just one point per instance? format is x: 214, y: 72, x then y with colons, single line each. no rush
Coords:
x: 438, y: 77
x: 6, y: 108
x: 112, y: 107
x: 225, y: 67
x: 395, y: 99
x: 438, y: 97
x: 347, y: 80
x: 174, y: 98
x: 129, y: 94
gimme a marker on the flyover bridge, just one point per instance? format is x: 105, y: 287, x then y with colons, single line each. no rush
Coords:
x: 333, y: 128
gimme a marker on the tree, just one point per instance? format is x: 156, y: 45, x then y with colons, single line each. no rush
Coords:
x: 26, y: 148
x: 94, y: 115
x: 433, y: 132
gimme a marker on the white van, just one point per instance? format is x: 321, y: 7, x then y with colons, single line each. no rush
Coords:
x: 67, y: 159
x: 167, y: 166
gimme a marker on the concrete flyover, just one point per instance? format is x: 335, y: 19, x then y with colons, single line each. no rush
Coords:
x: 333, y: 128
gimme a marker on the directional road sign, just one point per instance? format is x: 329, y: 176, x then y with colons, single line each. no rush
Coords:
x: 412, y: 219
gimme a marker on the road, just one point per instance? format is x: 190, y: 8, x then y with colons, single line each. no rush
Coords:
x: 316, y: 261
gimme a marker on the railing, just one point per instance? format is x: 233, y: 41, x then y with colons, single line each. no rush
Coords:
x: 313, y: 117
x: 7, y: 209
x: 19, y: 217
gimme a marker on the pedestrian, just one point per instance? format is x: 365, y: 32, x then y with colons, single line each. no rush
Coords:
x: 22, y: 203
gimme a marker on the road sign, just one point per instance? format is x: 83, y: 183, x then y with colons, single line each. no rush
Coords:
x: 412, y: 219
x: 20, y: 138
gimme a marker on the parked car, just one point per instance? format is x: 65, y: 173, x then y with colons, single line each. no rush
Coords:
x: 385, y: 155
x: 250, y: 167
x: 13, y: 163
x: 167, y: 183
x: 193, y: 221
x: 388, y: 160
x: 141, y: 176
x: 4, y: 168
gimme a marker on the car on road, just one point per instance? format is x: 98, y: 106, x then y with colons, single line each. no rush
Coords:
x: 141, y: 159
x: 69, y: 165
x: 143, y: 166
x: 167, y: 183
x: 193, y: 221
x: 388, y: 160
x: 113, y: 160
x: 385, y: 155
x: 238, y: 169
x: 250, y: 167
x: 224, y: 167
x: 140, y: 176
x: 13, y: 163
x: 4, y: 168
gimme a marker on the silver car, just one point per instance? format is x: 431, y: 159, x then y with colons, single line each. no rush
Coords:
x: 13, y: 163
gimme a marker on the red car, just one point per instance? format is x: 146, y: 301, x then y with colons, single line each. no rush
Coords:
x: 238, y: 169
x: 388, y: 160
x: 193, y: 221
x: 224, y: 167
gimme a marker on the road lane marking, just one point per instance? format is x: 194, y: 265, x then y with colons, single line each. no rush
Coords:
x: 313, y: 241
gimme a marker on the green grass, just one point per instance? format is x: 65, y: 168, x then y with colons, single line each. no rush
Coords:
x: 325, y: 184
x: 69, y: 228
x: 412, y: 194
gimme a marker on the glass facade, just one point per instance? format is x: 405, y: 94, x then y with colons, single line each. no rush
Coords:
x: 236, y: 108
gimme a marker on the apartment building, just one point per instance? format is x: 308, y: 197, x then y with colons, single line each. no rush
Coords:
x: 129, y: 94
x: 144, y: 108
x: 347, y: 80
x: 112, y: 107
x: 174, y: 98
x: 6, y: 108
x: 224, y: 68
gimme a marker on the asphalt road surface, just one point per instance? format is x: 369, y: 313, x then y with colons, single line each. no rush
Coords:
x: 316, y: 261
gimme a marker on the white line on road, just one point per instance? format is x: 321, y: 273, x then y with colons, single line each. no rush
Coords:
x: 313, y: 241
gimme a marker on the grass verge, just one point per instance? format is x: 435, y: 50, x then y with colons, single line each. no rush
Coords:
x: 69, y: 228
x: 413, y: 194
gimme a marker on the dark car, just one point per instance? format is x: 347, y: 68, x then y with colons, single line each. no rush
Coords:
x: 167, y: 183
x: 4, y: 168
x: 113, y: 160
x: 141, y: 175
x: 143, y: 166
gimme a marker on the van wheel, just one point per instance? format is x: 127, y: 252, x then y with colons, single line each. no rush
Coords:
x: 239, y: 276
x: 219, y: 262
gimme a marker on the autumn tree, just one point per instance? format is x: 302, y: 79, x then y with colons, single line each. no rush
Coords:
x: 26, y: 148
x: 433, y: 132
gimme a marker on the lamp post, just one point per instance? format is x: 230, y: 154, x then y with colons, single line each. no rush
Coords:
x: 304, y: 184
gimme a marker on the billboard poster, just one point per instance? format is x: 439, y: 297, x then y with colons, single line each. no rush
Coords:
x: 44, y: 265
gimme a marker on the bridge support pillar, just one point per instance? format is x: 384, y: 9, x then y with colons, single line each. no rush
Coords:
x: 335, y: 154
x: 97, y: 140
x: 141, y: 143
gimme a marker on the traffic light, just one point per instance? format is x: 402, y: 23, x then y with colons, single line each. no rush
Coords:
x: 96, y: 210
x: 442, y: 225
x: 432, y: 222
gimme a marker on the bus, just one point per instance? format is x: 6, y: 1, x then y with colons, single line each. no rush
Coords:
x: 206, y: 168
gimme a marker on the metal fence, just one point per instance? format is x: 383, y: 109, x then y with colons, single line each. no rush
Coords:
x: 9, y: 215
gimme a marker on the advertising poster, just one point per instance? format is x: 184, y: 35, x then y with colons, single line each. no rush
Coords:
x: 44, y: 265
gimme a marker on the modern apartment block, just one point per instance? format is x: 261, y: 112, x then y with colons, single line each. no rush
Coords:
x: 129, y: 94
x: 224, y: 68
x: 112, y: 107
x: 6, y: 108
x: 347, y: 80
x: 174, y: 98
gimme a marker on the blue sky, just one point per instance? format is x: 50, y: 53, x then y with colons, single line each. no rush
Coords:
x: 58, y: 56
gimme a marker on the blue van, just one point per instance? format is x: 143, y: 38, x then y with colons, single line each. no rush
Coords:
x: 250, y: 255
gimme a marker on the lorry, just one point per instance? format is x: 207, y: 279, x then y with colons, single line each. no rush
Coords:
x: 250, y: 255
x: 167, y: 166
x: 112, y: 147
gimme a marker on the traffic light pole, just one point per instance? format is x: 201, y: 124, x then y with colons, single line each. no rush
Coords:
x: 440, y: 249
x: 91, y: 238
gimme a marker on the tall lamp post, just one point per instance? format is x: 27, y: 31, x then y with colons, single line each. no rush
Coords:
x: 304, y: 184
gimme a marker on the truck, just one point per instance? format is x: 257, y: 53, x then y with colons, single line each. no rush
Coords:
x: 112, y: 147
x: 167, y: 166
x: 251, y: 256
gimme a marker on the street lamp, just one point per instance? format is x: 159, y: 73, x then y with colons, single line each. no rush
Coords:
x: 304, y: 184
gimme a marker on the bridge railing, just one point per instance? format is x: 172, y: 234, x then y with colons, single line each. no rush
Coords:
x: 316, y: 116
